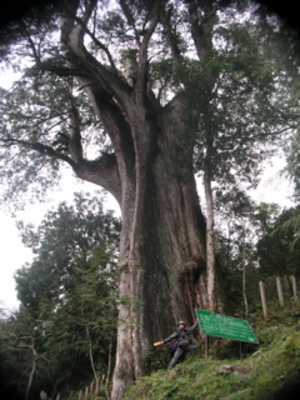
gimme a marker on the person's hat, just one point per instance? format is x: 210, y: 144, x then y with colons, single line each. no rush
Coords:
x: 181, y: 323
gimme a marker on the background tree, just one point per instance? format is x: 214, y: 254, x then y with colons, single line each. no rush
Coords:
x: 9, y: 378
x: 65, y: 331
x: 24, y: 334
x: 92, y: 305
x: 237, y: 238
x: 116, y: 121
x: 276, y: 253
x: 66, y: 238
x: 234, y: 134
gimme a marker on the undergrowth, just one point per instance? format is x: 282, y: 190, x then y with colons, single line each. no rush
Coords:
x: 269, y: 371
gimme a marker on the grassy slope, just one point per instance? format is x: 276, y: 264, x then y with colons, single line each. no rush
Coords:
x: 271, y: 372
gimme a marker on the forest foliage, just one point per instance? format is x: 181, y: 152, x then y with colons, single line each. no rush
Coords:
x: 65, y: 328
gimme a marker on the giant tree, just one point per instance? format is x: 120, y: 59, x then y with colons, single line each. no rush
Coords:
x: 106, y: 90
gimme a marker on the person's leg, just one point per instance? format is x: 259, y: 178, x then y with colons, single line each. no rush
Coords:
x: 191, y: 349
x: 178, y: 353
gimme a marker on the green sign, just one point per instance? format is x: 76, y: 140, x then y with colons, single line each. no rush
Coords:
x: 225, y: 327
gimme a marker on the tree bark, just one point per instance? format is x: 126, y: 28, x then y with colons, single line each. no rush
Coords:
x: 162, y: 246
x: 32, y: 373
x: 210, y: 248
x: 92, y: 360
x: 161, y: 259
x: 244, y: 270
x: 109, y: 371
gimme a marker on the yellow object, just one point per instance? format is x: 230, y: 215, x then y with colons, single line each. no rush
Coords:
x: 157, y: 343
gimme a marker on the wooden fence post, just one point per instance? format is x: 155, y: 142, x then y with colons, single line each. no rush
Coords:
x: 80, y: 395
x: 97, y: 386
x: 263, y: 299
x: 92, y: 387
x: 279, y: 290
x: 294, y: 286
x: 43, y: 395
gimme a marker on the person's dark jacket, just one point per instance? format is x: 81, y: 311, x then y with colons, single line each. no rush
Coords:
x: 181, y: 334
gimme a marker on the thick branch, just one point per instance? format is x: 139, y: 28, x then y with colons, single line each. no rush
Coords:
x: 31, y: 43
x: 67, y: 23
x: 165, y: 19
x: 76, y: 32
x: 75, y: 146
x: 116, y: 124
x: 143, y: 53
x: 90, y: 70
x: 62, y: 71
x: 40, y: 148
x: 103, y: 172
x: 98, y: 43
x: 88, y: 11
x: 82, y: 22
x: 201, y: 28
x: 130, y: 20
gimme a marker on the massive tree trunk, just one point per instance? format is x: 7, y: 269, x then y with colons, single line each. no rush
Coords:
x: 162, y: 250
x: 161, y: 254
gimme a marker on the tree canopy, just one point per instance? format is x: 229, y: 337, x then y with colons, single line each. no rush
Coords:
x: 235, y: 96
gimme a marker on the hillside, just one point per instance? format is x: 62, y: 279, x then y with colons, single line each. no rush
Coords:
x: 270, y: 371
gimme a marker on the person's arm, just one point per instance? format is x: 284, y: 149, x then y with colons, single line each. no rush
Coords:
x: 168, y: 339
x: 193, y: 327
